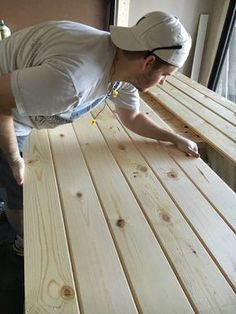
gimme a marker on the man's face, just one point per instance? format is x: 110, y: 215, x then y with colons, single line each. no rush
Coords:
x: 151, y: 77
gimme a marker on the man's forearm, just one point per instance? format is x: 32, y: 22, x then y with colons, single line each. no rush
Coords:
x: 8, y: 141
x: 146, y: 127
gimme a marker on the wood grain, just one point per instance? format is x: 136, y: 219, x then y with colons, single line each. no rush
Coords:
x: 212, y: 135
x: 199, y: 275
x: 206, y: 91
x: 49, y: 282
x: 152, y: 280
x: 99, y: 276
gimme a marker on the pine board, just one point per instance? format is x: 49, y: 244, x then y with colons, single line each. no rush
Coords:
x: 99, y: 276
x: 206, y: 92
x: 171, y: 120
x: 214, y: 136
x: 208, y: 107
x: 49, y: 282
x: 137, y: 245
x: 130, y: 225
x: 199, y: 212
x: 198, y: 273
x: 221, y: 118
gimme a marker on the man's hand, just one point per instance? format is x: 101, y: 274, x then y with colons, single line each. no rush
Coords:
x: 18, y: 168
x: 142, y: 125
x: 187, y: 146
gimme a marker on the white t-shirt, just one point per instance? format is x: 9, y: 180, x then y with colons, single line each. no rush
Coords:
x: 59, y: 71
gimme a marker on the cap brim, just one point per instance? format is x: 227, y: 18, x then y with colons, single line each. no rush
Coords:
x: 124, y: 38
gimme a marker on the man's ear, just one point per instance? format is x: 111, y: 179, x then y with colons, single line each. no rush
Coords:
x: 149, y: 61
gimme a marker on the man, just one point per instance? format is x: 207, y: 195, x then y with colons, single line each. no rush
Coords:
x: 54, y: 72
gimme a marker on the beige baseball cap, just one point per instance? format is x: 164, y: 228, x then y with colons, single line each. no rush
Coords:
x: 157, y: 32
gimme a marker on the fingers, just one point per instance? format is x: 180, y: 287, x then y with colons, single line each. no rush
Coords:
x: 193, y: 151
x: 18, y: 168
x: 188, y: 146
x: 20, y: 177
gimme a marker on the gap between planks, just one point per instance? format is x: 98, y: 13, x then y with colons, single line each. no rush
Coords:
x: 147, y: 219
x: 207, y: 249
x: 207, y: 92
x: 56, y: 286
x: 211, y: 117
x: 108, y: 299
x: 207, y: 131
x: 132, y: 289
x: 80, y: 304
x: 200, y: 237
x: 132, y: 194
x: 207, y: 103
x: 227, y: 211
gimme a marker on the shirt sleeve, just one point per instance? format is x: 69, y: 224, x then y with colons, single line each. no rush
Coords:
x: 128, y: 97
x: 43, y: 90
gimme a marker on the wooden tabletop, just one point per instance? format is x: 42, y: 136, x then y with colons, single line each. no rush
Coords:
x: 115, y: 223
x: 209, y: 115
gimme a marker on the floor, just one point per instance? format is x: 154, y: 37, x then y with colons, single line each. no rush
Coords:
x: 11, y: 272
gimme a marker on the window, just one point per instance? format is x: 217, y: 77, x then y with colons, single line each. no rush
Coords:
x: 223, y: 74
x: 226, y: 85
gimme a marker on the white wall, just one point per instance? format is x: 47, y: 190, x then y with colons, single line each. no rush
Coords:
x: 188, y: 11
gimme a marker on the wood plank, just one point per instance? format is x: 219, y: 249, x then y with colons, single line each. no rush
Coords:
x: 171, y: 120
x: 207, y: 92
x: 49, y: 284
x: 99, y: 277
x: 216, y: 191
x: 208, y: 103
x: 209, y: 116
x: 209, y: 133
x: 205, y: 179
x: 149, y: 273
x: 205, y: 285
x: 218, y: 238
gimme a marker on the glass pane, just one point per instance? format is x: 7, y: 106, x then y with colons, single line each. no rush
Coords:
x: 227, y: 81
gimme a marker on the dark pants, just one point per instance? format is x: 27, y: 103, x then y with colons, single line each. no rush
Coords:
x: 14, y: 192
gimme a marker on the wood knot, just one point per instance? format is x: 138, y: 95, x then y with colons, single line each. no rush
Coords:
x: 79, y: 194
x: 122, y: 147
x: 120, y: 223
x: 142, y: 168
x: 62, y: 135
x: 165, y: 217
x: 67, y: 293
x: 172, y: 174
